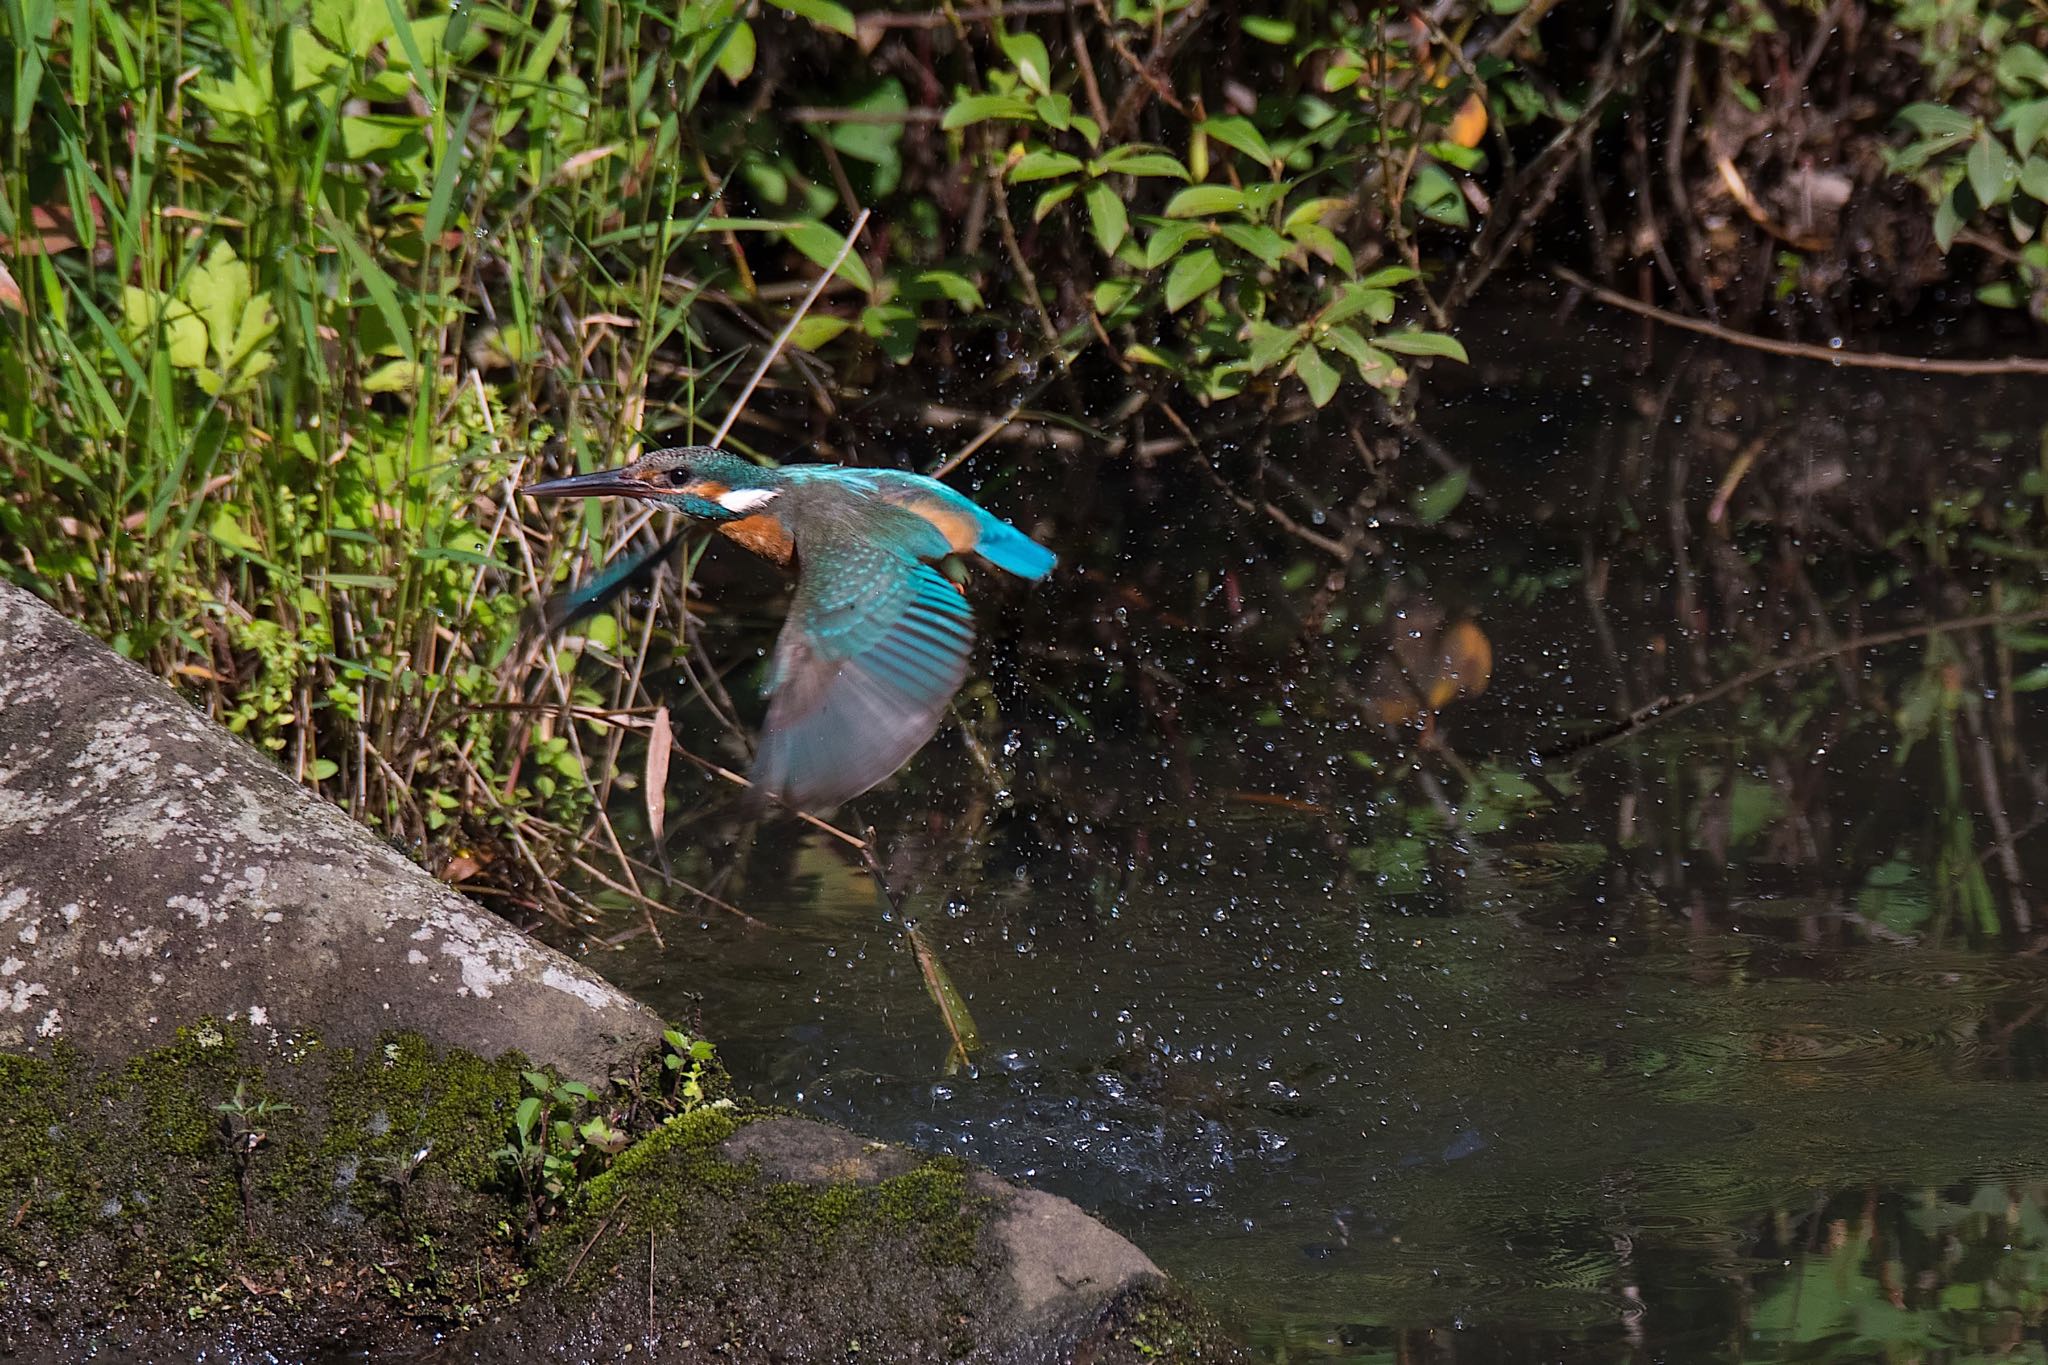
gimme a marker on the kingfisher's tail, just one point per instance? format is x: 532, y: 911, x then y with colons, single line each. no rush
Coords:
x: 1006, y: 547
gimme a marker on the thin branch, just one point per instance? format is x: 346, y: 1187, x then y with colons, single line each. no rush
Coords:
x: 1664, y: 708
x: 943, y: 18
x: 1869, y: 360
x: 782, y: 338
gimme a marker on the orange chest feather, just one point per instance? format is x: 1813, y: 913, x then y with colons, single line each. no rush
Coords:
x: 760, y: 533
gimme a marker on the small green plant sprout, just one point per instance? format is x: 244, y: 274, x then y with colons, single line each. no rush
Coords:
x: 558, y: 1140
x: 685, y: 1066
x: 245, y: 1129
x: 398, y: 1175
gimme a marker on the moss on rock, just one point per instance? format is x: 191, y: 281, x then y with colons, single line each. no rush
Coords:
x: 294, y: 1191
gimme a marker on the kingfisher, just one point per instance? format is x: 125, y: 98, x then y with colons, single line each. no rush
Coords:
x: 877, y: 640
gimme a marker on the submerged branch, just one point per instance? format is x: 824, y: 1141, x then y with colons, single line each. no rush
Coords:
x: 1870, y: 360
x: 1664, y: 708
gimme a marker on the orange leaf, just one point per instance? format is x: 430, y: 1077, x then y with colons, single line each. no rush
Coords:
x: 1468, y: 125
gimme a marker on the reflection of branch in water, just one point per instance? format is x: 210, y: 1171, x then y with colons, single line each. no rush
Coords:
x: 1664, y: 708
x: 1873, y: 360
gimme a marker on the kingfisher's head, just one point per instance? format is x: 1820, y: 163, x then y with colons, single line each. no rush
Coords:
x: 698, y: 481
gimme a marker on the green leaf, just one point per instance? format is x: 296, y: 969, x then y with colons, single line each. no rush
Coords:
x: 1052, y: 199
x: 408, y: 41
x: 1376, y: 368
x: 1106, y: 215
x: 218, y: 289
x: 1422, y: 343
x: 1320, y: 239
x: 1993, y: 172
x: 1999, y: 294
x: 958, y: 289
x: 1270, y: 344
x: 1948, y: 219
x: 979, y: 108
x: 1262, y: 242
x: 1167, y: 241
x: 526, y: 1115
x: 1387, y: 276
x: 1462, y: 158
x: 227, y: 528
x: 878, y: 144
x: 1319, y: 374
x: 2021, y: 65
x: 820, y: 243
x: 1279, y: 32
x: 1240, y: 134
x: 1042, y: 164
x: 2034, y: 178
x: 365, y: 137
x: 1192, y: 276
x: 816, y: 329
x: 822, y: 14
x: 2025, y: 122
x: 184, y: 334
x: 737, y: 53
x: 1937, y: 120
x: 1112, y: 295
x: 1354, y: 299
x: 1260, y: 197
x: 323, y: 768
x: 1310, y: 213
x: 1055, y: 110
x: 396, y: 376
x: 353, y: 26
x: 1432, y: 504
x: 1027, y: 53
x: 1434, y: 195
x: 2033, y: 680
x: 894, y: 329
x: 1137, y: 159
x: 1199, y: 201
x: 1088, y: 128
x: 313, y: 62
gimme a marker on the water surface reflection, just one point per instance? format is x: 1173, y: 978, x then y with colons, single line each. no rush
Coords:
x: 1426, y: 957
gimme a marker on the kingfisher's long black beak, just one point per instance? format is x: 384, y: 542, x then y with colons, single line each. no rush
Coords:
x: 596, y: 484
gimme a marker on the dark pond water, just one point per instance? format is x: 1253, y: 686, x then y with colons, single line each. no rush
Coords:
x: 1507, y: 1038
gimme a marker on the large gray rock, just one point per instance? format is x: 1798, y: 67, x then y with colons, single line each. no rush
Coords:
x: 154, y: 869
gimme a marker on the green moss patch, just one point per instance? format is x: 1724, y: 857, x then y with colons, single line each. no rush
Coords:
x: 304, y: 1191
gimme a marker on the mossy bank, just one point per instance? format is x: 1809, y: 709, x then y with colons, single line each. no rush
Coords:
x: 230, y: 1193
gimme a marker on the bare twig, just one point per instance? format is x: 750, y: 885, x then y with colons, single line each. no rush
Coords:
x: 1664, y: 708
x: 1532, y: 191
x: 782, y: 337
x: 815, y: 113
x: 945, y: 17
x: 1870, y: 360
x: 716, y: 770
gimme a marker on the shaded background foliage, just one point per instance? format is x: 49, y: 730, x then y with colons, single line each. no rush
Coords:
x: 295, y: 293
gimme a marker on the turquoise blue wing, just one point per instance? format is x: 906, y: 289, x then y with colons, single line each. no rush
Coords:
x: 875, y: 646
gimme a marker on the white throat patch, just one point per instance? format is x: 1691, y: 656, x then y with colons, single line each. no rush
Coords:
x: 747, y: 499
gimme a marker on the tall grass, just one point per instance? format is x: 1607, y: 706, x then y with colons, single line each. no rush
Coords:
x: 292, y: 285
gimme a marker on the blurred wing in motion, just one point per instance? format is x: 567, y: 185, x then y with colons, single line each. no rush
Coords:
x: 875, y: 646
